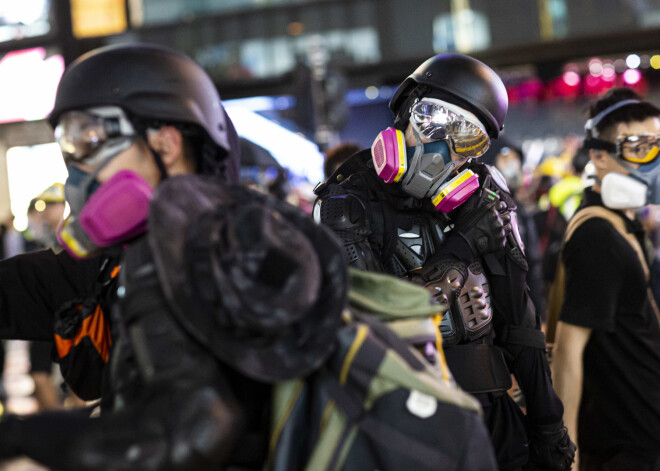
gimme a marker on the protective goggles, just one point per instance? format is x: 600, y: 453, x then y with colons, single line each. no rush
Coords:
x: 81, y: 134
x: 639, y: 149
x: 437, y: 120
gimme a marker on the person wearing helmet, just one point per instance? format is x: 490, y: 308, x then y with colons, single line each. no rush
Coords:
x: 419, y: 205
x: 45, y: 213
x: 135, y: 124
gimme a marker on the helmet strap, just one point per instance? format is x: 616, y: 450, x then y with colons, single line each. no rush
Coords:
x: 159, y: 163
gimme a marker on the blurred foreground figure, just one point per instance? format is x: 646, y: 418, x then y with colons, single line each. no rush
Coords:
x: 606, y: 356
x: 420, y: 205
x: 211, y: 320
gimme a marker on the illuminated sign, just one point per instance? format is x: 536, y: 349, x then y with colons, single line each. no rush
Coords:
x: 28, y: 83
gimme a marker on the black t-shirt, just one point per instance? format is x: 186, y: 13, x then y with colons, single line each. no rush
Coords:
x: 606, y: 291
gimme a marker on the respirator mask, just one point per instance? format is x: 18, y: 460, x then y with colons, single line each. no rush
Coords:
x: 102, y: 215
x: 641, y: 185
x: 425, y: 170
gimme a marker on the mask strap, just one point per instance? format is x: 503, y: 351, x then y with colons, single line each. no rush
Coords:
x: 159, y: 163
x: 590, y: 125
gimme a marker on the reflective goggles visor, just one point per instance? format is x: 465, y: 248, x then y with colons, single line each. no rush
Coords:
x: 81, y: 133
x: 639, y: 149
x: 436, y: 120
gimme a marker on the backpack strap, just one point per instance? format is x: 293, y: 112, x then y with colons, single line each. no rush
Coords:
x: 556, y: 293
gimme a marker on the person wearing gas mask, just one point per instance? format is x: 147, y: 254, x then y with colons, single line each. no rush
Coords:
x: 419, y: 205
x: 180, y: 371
x: 606, y: 358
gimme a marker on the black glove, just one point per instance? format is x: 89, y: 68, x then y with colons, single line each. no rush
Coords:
x: 550, y: 448
x: 9, y: 437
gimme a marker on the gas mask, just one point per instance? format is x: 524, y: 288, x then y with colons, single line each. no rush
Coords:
x: 640, y: 186
x: 102, y: 215
x: 427, y: 169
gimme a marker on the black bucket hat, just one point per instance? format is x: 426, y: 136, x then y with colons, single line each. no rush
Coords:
x: 253, y: 279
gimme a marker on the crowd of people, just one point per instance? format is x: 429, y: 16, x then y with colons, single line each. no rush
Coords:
x: 207, y: 325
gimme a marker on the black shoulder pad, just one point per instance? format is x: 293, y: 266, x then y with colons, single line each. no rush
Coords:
x: 342, y: 212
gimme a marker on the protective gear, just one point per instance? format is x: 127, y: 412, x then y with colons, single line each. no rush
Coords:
x: 154, y: 85
x: 253, y: 280
x: 80, y: 185
x: 457, y: 79
x: 75, y: 240
x: 640, y: 149
x: 466, y: 290
x: 621, y: 191
x: 346, y: 214
x: 438, y: 120
x: 456, y: 191
x: 550, y: 448
x: 423, y: 169
x: 389, y: 155
x: 405, y: 233
x: 116, y: 213
x: 94, y: 135
x: 482, y: 227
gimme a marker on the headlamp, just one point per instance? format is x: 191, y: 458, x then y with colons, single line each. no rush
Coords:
x: 438, y: 120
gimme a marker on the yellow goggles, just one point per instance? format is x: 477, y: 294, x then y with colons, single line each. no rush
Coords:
x: 639, y: 149
x: 437, y: 120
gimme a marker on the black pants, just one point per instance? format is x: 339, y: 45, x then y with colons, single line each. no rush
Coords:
x: 624, y: 460
x: 506, y: 424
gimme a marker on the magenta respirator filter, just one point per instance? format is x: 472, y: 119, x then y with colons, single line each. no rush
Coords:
x: 118, y: 210
x: 388, y: 153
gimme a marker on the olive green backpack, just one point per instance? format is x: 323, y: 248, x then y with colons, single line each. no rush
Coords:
x: 378, y: 403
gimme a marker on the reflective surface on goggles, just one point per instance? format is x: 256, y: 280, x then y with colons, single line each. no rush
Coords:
x: 437, y: 120
x: 640, y: 149
x: 81, y: 133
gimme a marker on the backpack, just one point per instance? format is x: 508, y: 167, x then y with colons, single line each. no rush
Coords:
x: 377, y: 403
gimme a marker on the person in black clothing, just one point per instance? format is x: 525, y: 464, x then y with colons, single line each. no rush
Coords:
x: 184, y: 379
x: 606, y: 360
x: 420, y: 205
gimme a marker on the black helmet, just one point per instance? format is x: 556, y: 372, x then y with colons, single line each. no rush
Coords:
x: 149, y: 82
x: 458, y: 79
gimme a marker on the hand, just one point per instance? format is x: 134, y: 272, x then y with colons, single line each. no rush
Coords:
x: 550, y: 448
